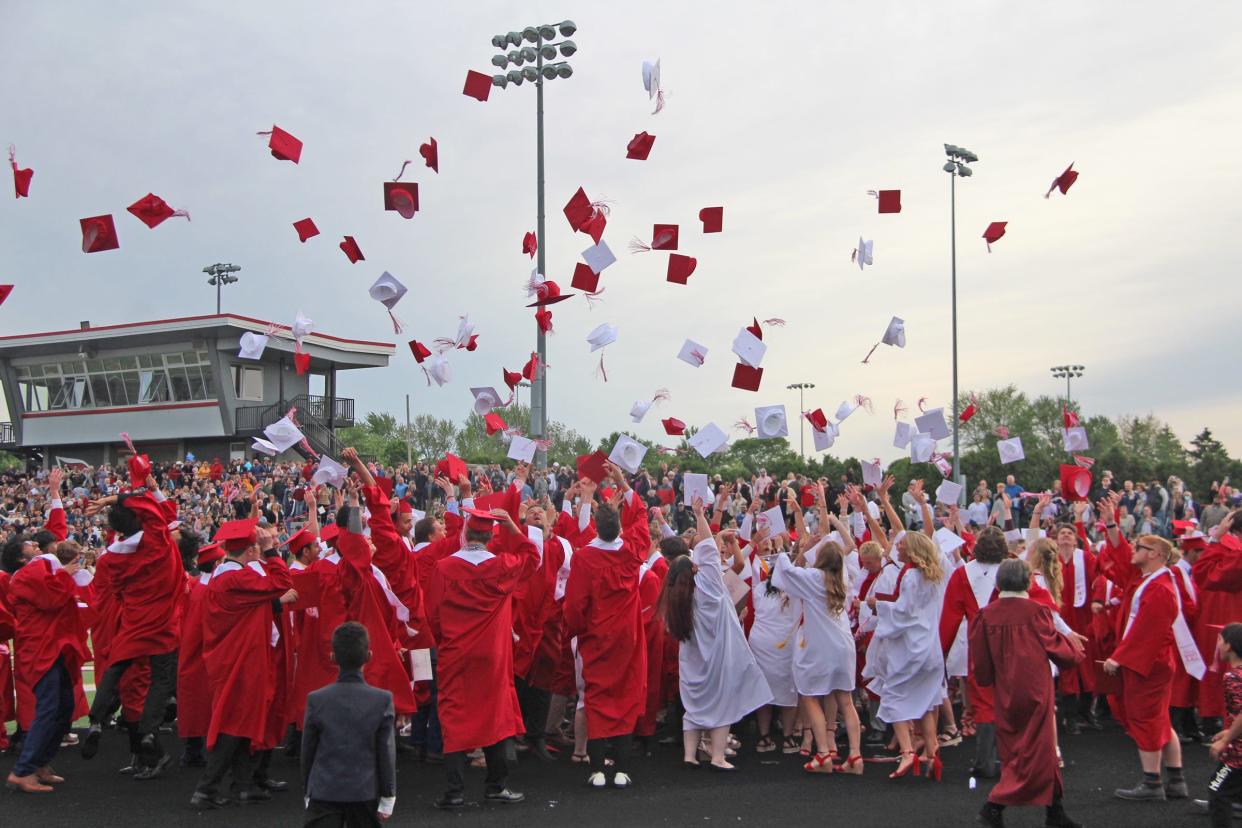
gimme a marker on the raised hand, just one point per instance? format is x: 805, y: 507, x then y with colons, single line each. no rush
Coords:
x: 885, y: 485
x: 919, y: 495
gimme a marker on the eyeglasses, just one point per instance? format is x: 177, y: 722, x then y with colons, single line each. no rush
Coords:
x: 1145, y: 548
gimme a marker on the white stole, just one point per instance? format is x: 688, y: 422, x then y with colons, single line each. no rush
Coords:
x: 1080, y: 578
x: 1192, y: 659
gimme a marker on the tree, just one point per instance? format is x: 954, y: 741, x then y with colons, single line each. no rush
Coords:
x: 1209, y: 463
x: 431, y: 438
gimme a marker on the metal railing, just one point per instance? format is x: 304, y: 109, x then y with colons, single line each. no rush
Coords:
x: 312, y: 417
x: 8, y: 435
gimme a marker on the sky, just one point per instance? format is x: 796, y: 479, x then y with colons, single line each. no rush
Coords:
x: 784, y: 113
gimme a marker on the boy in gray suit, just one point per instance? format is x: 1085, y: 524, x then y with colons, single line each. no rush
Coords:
x: 349, y: 764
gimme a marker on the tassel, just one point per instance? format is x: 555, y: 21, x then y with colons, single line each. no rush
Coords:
x: 922, y: 402
x: 601, y: 370
x: 404, y: 164
x: 698, y: 356
x: 864, y: 402
x: 425, y: 374
x: 13, y: 156
x: 185, y: 214
x: 659, y: 102
x: 899, y: 408
x: 637, y: 245
x: 774, y: 322
x: 601, y: 207
x: 867, y: 358
x: 744, y: 425
x: 264, y: 132
x: 309, y: 450
x: 396, y: 324
x: 129, y: 443
x: 661, y: 395
x: 853, y: 255
x: 1001, y: 432
x: 593, y: 297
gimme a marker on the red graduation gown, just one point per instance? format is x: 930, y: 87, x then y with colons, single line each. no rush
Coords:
x: 397, y: 563
x: 602, y: 608
x: 650, y: 586
x: 1218, y: 579
x: 320, y: 609
x: 193, y: 683
x: 8, y: 704
x: 237, y: 647
x: 1186, y: 686
x: 1009, y: 642
x: 471, y: 615
x: 533, y: 603
x: 960, y: 605
x: 548, y: 657
x: 44, y: 602
x: 1079, y: 678
x: 106, y: 619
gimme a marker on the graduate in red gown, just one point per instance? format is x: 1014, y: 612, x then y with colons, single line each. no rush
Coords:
x: 603, y: 609
x: 471, y: 614
x: 665, y: 546
x: 1077, y: 575
x: 238, y: 639
x: 1011, y: 639
x: 193, y: 684
x: 1144, y: 653
x: 8, y: 706
x: 1218, y: 577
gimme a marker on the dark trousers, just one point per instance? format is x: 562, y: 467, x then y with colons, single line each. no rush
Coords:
x: 1224, y: 790
x: 425, y: 724
x: 229, y: 753
x: 163, y: 683
x: 341, y: 814
x: 53, y: 717
x: 497, y: 769
x: 535, y: 704
x: 596, y: 748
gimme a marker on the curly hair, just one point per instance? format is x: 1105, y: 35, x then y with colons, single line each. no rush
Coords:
x: 923, y: 553
x: 1042, y: 556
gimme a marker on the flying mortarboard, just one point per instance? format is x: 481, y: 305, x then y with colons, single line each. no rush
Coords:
x: 352, y: 251
x: 640, y: 146
x: 306, y: 229
x: 680, y: 268
x: 890, y: 200
x: 153, y: 211
x: 430, y: 152
x: 21, y: 178
x: 593, y: 466
x: 284, y: 146
x: 673, y: 426
x: 747, y: 378
x: 1063, y: 181
x: 402, y: 197
x: 994, y: 232
x: 770, y: 421
x: 478, y: 85
x: 98, y: 234
x: 712, y: 218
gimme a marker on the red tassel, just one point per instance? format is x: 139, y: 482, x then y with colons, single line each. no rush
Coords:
x: 661, y: 395
x: 601, y: 369
x: 637, y: 245
x: 864, y: 402
x: 898, y: 410
x: 396, y: 324
x: 922, y: 402
x: 181, y: 214
x: 129, y: 443
x: 659, y: 102
x: 744, y: 425
x: 775, y: 322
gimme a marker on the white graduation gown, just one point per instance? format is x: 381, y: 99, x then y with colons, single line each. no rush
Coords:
x: 825, y: 658
x: 905, y: 654
x: 719, y: 680
x: 772, y: 639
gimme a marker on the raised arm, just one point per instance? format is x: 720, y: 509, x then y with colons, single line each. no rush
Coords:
x: 886, y: 503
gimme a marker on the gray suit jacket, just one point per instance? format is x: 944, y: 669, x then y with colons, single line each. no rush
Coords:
x: 349, y: 751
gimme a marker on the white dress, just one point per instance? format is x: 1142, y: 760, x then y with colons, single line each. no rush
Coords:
x: 825, y: 658
x: 905, y: 661
x: 772, y: 639
x: 719, y: 680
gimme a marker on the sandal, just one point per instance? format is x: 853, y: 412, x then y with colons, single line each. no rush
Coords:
x: 765, y: 744
x: 820, y: 763
x: 791, y: 744
x: 950, y: 738
x: 580, y: 758
x: 853, y: 765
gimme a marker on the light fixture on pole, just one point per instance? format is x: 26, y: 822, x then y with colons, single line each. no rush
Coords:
x: 221, y: 275
x: 1067, y: 373
x: 516, y: 54
x: 956, y: 167
x: 517, y: 399
x: 800, y: 387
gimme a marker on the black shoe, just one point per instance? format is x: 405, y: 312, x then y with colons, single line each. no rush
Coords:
x: 434, y: 758
x: 450, y: 802
x: 189, y: 760
x: 1092, y: 720
x: 133, y: 767
x: 874, y: 738
x: 1142, y: 792
x: 504, y: 796
x: 254, y: 796
x: 991, y: 816
x: 1055, y: 817
x: 271, y: 785
x: 1176, y: 790
x: 539, y: 749
x: 90, y: 741
x: 1072, y: 728
x: 154, y: 771
x: 1200, y: 806
x: 208, y: 802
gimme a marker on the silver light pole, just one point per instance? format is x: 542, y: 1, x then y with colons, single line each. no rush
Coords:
x: 1067, y: 373
x: 956, y: 166
x: 221, y: 275
x: 800, y: 387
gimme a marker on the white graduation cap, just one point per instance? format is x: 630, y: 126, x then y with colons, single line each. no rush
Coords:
x: 651, y: 77
x: 251, y: 345
x: 485, y: 399
x: 604, y: 334
x: 521, y: 448
x: 845, y: 409
x: 598, y: 257
x: 947, y: 540
x: 770, y: 421
x: 695, y: 485
x: 387, y: 290
x: 872, y: 473
x: 693, y: 353
x: 1076, y: 439
x: 948, y: 492
x: 904, y: 433
x: 749, y: 348
x: 438, y: 369
x: 465, y: 328
x: 895, y: 333
x: 932, y: 422
x: 824, y: 439
x: 263, y: 446
x: 300, y: 328
x: 771, y: 520
x: 283, y: 434
x: 863, y: 254
x: 628, y: 453
x: 1010, y: 450
x: 921, y: 447
x: 330, y: 472
x: 708, y: 440
x: 639, y: 410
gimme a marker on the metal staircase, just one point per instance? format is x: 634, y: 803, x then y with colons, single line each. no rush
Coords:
x: 318, y: 417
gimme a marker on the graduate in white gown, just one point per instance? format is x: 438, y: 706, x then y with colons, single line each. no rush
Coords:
x: 771, y: 641
x: 718, y: 678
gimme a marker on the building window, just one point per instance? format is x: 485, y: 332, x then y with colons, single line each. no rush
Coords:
x: 142, y: 379
x: 248, y: 382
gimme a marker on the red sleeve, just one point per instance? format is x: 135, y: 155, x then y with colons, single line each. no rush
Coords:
x: 1152, y: 625
x: 435, y: 589
x: 1114, y: 562
x: 1082, y: 534
x: 1057, y: 647
x: 391, y: 555
x: 278, y: 571
x: 1219, y: 568
x: 981, y: 665
x: 354, y: 551
x: 635, y: 530
x: 309, y: 587
x: 954, y: 609
x: 42, y: 589
x: 520, y: 557
x: 577, y: 595
x: 57, y: 524
x: 248, y: 589
x: 968, y: 548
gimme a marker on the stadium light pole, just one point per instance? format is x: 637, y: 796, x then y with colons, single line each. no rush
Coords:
x: 221, y: 275
x: 1067, y: 373
x: 956, y: 167
x: 800, y: 387
x: 542, y: 50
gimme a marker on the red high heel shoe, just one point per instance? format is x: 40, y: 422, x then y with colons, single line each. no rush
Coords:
x: 820, y: 763
x: 852, y: 765
x: 934, y: 767
x: 900, y: 772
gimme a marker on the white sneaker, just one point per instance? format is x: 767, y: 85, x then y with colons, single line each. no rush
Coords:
x: 597, y: 780
x: 622, y: 780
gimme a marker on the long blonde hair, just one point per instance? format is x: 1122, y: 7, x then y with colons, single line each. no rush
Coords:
x: 1043, y: 558
x: 924, y: 555
x: 831, y: 562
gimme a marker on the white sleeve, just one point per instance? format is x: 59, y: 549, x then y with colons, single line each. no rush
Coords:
x: 584, y: 516
x: 746, y: 530
x: 451, y: 506
x: 566, y: 506
x: 1059, y: 623
x: 386, y: 804
x: 666, y: 531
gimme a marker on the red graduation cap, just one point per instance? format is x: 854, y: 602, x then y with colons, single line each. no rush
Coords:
x: 451, y: 467
x: 970, y: 411
x: 478, y: 85
x: 549, y: 293
x: 283, y: 145
x: 747, y: 378
x: 509, y: 499
x: 306, y: 229
x: 754, y: 328
x: 213, y: 552
x: 430, y: 152
x: 98, y: 234
x: 139, y: 469
x: 152, y: 210
x: 543, y: 318
x: 301, y: 361
x: 419, y: 350
x: 21, y: 178
x: 1075, y: 482
x: 386, y: 485
x: 712, y: 218
x: 818, y: 420
x: 1063, y: 181
x: 585, y: 278
x: 512, y: 378
x: 680, y: 267
x: 401, y: 196
x: 352, y: 250
x: 531, y: 366
x: 530, y: 244
x: 5, y: 290
x: 578, y: 210
x: 236, y: 535
x: 1069, y: 417
x: 301, y: 538
x: 995, y: 230
x: 329, y: 533
x: 594, y: 226
x: 1182, y: 526
x: 664, y: 237
x: 640, y: 146
x: 593, y: 466
x: 890, y: 200
x: 673, y: 426
x: 494, y: 423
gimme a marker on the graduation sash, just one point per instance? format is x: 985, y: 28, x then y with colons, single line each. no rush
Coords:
x: 1192, y: 659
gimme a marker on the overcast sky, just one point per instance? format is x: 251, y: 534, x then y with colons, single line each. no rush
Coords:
x: 786, y: 120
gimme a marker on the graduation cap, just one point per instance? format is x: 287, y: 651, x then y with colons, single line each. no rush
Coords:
x: 485, y: 399
x: 1010, y: 450
x: 251, y: 345
x: 5, y: 290
x: 680, y: 267
x: 352, y: 251
x: 948, y: 492
x: 209, y: 553
x: 862, y: 253
x: 478, y: 85
x: 578, y: 210
x: 1075, y: 439
x: 598, y: 257
x: 300, y: 539
x: 512, y: 378
x: 440, y: 370
x: 651, y: 82
x: 817, y: 419
x: 306, y: 229
x: 712, y: 218
x: 673, y: 426
x: 549, y: 293
x: 284, y: 146
x: 387, y: 290
x: 530, y: 244
x: 628, y: 453
x: 747, y: 378
x: 692, y: 353
x: 770, y: 421
x: 430, y: 152
x: 21, y: 178
x: 153, y: 211
x: 823, y: 440
x: 994, y: 232
x: 479, y: 520
x: 452, y: 467
x: 708, y: 440
x: 585, y: 279
x: 522, y: 448
x: 921, y: 447
x: 493, y: 423
x: 602, y: 335
x: 640, y: 146
x: 301, y: 362
x: 593, y: 466
x: 889, y: 200
x: 419, y: 350
x: 1075, y: 482
x: 283, y: 434
x: 402, y: 197
x: 905, y: 432
x: 932, y: 422
x: 749, y: 347
x: 98, y: 234
x: 330, y: 472
x: 237, y: 535
x: 1063, y: 181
